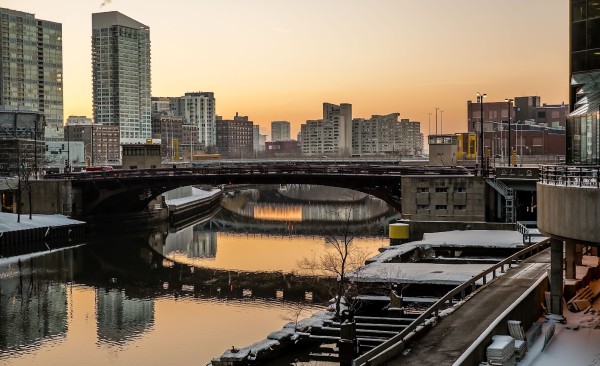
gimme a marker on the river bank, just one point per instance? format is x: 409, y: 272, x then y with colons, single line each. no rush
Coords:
x: 41, y: 232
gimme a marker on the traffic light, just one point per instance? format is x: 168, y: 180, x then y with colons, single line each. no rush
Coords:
x: 514, y: 157
x: 487, y: 153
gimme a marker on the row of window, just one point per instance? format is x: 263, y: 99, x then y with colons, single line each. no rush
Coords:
x: 460, y: 189
x: 442, y: 207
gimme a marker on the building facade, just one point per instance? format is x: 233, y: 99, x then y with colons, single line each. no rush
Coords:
x: 31, y: 67
x: 235, y: 137
x: 21, y: 141
x: 280, y: 131
x: 101, y: 143
x: 169, y: 129
x: 331, y: 135
x: 121, y: 75
x: 583, y: 124
x: 199, y: 109
x: 385, y: 135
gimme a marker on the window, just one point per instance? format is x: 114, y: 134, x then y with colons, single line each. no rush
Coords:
x: 422, y: 189
x: 422, y: 207
x: 441, y: 189
x: 461, y: 189
x: 460, y: 207
x: 441, y: 207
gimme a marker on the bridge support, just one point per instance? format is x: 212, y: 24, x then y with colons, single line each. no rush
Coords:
x: 570, y: 260
x: 556, y: 276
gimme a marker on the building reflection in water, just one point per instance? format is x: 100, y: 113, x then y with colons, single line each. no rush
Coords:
x: 120, y: 319
x: 192, y: 241
x: 33, y: 301
x: 257, y: 232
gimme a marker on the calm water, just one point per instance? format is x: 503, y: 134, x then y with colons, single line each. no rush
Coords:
x: 170, y: 295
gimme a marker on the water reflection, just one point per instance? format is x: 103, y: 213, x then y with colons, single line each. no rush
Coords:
x: 121, y: 319
x: 160, y: 296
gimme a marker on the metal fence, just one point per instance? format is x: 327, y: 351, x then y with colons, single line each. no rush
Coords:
x: 572, y: 176
x: 393, y: 346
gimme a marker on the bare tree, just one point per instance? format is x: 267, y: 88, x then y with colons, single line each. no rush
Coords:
x: 343, y: 259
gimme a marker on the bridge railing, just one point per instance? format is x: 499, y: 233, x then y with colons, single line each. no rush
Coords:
x: 572, y: 176
x: 271, y: 168
x: 393, y: 346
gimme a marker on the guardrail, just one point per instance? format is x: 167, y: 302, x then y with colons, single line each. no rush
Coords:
x: 393, y: 346
x: 561, y: 175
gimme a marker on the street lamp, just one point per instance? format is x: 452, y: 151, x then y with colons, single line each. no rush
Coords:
x: 441, y: 121
x: 429, y: 125
x: 436, y: 111
x: 509, y: 101
x: 480, y: 97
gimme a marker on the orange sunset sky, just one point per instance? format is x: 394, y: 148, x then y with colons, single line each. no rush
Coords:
x: 280, y: 59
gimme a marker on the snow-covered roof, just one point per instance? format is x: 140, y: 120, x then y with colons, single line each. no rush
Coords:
x: 431, y: 273
x: 196, y: 195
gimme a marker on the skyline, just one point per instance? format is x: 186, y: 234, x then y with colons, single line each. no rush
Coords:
x: 279, y: 60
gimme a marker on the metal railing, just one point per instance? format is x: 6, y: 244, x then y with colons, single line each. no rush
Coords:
x: 571, y: 176
x: 393, y: 346
x: 267, y: 169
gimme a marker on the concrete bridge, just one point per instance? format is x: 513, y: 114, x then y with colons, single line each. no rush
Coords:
x: 120, y: 191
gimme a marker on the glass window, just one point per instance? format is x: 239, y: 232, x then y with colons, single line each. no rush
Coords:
x: 578, y: 33
x: 593, y: 8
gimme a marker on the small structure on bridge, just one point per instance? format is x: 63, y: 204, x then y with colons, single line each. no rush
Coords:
x: 141, y: 156
x: 443, y: 150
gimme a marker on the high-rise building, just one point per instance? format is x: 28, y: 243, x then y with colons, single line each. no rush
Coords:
x: 31, y: 68
x: 121, y: 75
x: 341, y: 115
x: 331, y: 135
x: 199, y: 109
x: 280, y: 130
x: 385, y: 135
x: 583, y: 124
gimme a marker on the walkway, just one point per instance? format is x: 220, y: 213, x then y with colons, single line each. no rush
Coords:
x: 445, y: 343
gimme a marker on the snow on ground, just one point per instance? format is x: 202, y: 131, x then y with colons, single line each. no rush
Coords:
x: 196, y: 195
x: 574, y: 343
x: 8, y: 221
x: 432, y: 273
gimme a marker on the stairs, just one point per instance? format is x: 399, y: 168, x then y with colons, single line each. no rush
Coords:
x: 509, y: 197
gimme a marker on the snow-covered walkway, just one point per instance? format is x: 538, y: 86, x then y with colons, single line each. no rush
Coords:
x: 8, y: 221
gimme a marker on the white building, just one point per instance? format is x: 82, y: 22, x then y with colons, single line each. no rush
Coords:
x: 121, y: 75
x: 385, y: 135
x: 280, y: 130
x: 199, y: 109
x: 331, y: 135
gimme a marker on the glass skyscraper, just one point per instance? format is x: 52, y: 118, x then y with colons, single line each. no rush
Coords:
x: 31, y: 67
x: 583, y: 125
x: 121, y: 75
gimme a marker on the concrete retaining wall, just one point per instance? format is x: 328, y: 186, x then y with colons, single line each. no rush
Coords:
x: 49, y: 197
x: 569, y: 212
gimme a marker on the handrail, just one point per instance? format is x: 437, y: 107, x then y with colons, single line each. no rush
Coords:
x: 570, y: 176
x: 388, y: 349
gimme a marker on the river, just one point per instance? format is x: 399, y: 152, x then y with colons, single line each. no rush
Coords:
x: 174, y: 295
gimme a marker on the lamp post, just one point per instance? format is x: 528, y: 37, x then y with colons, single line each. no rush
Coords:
x: 441, y: 122
x: 429, y: 125
x: 509, y: 101
x: 436, y: 110
x: 480, y: 97
x: 68, y: 150
x: 92, y: 138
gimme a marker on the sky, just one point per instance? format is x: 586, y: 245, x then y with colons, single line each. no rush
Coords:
x: 281, y: 59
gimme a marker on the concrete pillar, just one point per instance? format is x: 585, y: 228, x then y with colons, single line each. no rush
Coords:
x: 594, y: 251
x: 556, y: 276
x: 570, y: 263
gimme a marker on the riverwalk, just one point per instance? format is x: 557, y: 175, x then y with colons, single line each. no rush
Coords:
x: 451, y: 337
